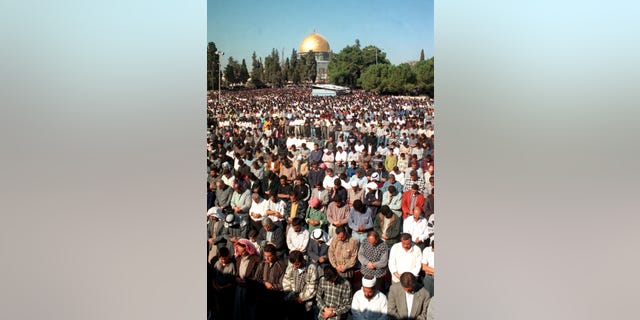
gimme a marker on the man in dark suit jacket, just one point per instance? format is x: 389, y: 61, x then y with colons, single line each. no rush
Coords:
x: 277, y: 236
x: 397, y: 299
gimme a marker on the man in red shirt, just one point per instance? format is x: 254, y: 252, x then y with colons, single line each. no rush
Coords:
x: 410, y: 199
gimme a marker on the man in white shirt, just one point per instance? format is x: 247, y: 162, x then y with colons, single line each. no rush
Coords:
x: 430, y: 131
x: 383, y: 150
x: 341, y: 143
x: 258, y: 211
x: 341, y: 155
x: 369, y: 303
x: 298, y: 236
x: 329, y: 179
x: 360, y: 177
x: 417, y: 227
x: 228, y: 178
x: 428, y: 265
x: 405, y: 256
x: 359, y: 147
x: 354, y: 156
x: 275, y: 209
x: 399, y: 176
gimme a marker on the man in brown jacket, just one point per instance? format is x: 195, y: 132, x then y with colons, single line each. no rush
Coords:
x: 343, y: 253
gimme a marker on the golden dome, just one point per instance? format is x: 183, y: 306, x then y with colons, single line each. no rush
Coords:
x: 314, y: 42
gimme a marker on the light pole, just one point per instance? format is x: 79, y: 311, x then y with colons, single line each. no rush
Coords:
x: 375, y: 48
x: 219, y: 53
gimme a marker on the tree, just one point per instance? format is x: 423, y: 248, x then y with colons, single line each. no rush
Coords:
x: 422, y: 55
x: 232, y: 71
x: 310, y: 72
x: 389, y: 79
x: 424, y: 71
x: 272, y: 70
x: 213, y: 66
x: 244, y: 73
x: 285, y: 71
x: 346, y: 67
x: 256, y: 72
x: 373, y: 77
x: 369, y: 57
x: 294, y: 68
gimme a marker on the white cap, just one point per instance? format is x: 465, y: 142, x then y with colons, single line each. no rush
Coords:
x: 212, y: 211
x: 354, y: 183
x: 372, y: 186
x: 317, y: 234
x: 368, y: 283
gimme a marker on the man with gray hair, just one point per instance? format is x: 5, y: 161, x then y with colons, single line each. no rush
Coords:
x: 272, y: 233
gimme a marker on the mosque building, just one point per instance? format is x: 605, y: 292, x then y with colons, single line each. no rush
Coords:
x: 319, y: 45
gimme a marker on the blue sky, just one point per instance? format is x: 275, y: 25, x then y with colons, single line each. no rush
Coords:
x: 400, y: 28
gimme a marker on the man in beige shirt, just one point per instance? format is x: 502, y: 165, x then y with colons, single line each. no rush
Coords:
x: 343, y: 253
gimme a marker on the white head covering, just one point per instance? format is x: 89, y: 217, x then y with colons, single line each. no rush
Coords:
x: 368, y: 283
x: 372, y: 186
x: 231, y: 220
x: 215, y: 211
x: 319, y: 234
x: 354, y: 183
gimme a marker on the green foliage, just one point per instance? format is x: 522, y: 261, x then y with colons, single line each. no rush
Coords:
x: 213, y: 67
x: 347, y: 67
x: 285, y: 70
x: 369, y: 58
x: 401, y: 80
x: 232, y: 71
x: 294, y: 68
x: 272, y: 70
x: 372, y: 78
x: 390, y: 79
x: 424, y: 71
x: 244, y: 73
x: 310, y: 67
x: 256, y: 71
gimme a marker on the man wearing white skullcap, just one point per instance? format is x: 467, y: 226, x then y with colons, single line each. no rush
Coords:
x: 355, y: 193
x: 369, y: 303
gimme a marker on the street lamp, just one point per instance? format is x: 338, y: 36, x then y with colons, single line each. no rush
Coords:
x: 219, y: 53
x: 375, y: 48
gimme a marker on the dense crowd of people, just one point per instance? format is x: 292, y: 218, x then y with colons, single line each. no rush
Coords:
x: 320, y: 207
